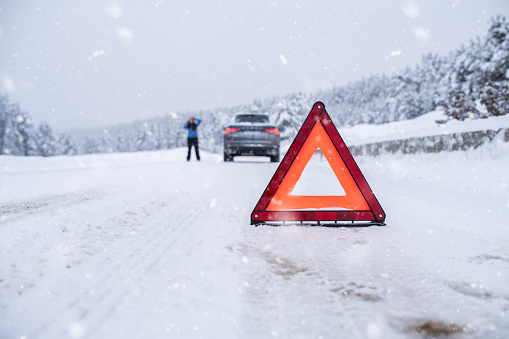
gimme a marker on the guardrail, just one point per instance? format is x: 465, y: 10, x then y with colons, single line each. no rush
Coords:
x: 432, y: 144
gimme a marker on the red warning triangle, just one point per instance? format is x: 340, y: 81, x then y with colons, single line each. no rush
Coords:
x: 357, y: 203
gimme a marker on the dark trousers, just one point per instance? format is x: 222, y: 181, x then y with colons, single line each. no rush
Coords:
x: 190, y: 143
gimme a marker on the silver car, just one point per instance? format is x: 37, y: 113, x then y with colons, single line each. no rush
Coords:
x: 251, y: 134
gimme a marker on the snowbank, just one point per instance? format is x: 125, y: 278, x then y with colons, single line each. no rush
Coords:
x: 423, y: 126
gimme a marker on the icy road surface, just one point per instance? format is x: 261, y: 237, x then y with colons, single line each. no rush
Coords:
x: 147, y: 245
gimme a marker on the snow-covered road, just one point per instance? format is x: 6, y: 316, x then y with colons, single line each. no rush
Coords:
x: 147, y: 245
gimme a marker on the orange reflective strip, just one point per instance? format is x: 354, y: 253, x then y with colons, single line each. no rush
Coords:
x: 283, y: 200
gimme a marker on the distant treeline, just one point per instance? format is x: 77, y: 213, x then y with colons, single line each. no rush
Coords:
x: 19, y: 136
x: 471, y: 82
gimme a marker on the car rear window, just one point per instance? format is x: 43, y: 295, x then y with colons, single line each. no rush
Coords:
x: 252, y: 118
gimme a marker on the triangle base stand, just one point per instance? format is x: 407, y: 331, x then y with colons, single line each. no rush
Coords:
x: 318, y: 218
x: 337, y: 224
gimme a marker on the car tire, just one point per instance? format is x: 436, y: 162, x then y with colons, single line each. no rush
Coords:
x: 274, y: 158
x: 228, y: 157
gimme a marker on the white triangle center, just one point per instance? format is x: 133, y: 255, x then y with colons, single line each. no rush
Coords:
x: 318, y: 178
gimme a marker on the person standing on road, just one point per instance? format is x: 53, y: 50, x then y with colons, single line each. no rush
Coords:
x: 192, y: 137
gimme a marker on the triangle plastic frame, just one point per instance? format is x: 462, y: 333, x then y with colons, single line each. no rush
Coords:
x: 296, y: 158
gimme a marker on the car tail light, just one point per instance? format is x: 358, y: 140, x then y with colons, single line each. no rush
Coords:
x: 272, y: 130
x: 230, y: 130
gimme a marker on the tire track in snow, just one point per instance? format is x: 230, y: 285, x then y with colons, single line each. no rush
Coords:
x: 99, y: 301
x: 291, y: 296
x: 434, y: 286
x: 99, y: 312
x: 347, y: 299
x: 218, y: 225
x: 23, y: 208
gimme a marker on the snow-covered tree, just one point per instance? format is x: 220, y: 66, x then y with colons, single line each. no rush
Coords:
x: 495, y: 98
x: 66, y: 145
x: 4, y: 127
x: 19, y: 136
x: 21, y: 132
x: 495, y: 52
x: 460, y: 106
x: 105, y: 143
x: 146, y: 139
x: 47, y: 144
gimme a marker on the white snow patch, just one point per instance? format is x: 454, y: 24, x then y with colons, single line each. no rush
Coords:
x: 283, y: 60
x: 411, y: 9
x: 422, y: 33
x: 394, y: 53
x: 125, y: 33
x: 8, y: 84
x: 114, y: 9
x: 213, y: 202
x: 96, y: 54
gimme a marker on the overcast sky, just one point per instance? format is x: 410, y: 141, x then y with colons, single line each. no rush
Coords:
x: 98, y: 63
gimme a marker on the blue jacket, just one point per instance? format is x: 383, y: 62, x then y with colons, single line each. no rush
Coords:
x: 190, y: 132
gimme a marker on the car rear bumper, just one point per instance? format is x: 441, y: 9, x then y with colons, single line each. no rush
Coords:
x: 252, y: 149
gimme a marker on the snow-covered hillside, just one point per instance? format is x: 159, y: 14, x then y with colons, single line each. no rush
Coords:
x: 147, y: 245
